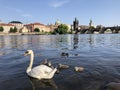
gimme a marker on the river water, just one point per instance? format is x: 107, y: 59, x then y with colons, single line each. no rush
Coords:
x: 98, y: 54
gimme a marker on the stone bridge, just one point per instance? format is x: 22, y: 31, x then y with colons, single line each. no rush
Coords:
x: 115, y: 29
x: 91, y: 30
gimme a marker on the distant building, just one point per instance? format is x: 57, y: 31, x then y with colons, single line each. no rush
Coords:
x: 43, y: 28
x: 54, y: 26
x: 24, y: 30
x: 6, y: 27
x: 57, y: 23
x: 17, y: 24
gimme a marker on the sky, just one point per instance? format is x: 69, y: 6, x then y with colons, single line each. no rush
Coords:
x: 101, y: 12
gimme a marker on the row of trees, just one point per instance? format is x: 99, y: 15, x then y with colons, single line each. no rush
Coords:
x: 13, y: 30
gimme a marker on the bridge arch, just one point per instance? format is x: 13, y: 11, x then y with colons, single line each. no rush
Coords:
x: 108, y: 30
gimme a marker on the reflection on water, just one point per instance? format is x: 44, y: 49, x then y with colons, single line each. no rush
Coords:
x: 99, y: 54
x: 75, y: 40
x: 59, y: 42
x: 43, y: 84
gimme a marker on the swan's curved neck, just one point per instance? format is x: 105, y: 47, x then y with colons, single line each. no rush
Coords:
x: 31, y: 61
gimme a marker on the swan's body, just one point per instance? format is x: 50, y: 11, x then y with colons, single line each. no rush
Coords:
x: 41, y: 71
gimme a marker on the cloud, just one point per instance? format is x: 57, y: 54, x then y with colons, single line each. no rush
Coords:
x: 57, y: 4
x: 26, y: 15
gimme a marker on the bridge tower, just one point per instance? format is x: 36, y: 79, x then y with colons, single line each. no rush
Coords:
x: 76, y: 25
x: 90, y: 27
x: 91, y: 23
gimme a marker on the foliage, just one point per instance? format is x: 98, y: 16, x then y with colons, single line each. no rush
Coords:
x: 62, y: 29
x: 36, y: 30
x: 91, y: 27
x: 1, y: 29
x: 99, y: 27
x: 13, y: 30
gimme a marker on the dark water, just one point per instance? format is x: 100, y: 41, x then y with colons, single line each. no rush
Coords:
x: 99, y: 54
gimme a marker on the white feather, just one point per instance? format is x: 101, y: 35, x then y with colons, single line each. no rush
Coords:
x: 41, y: 71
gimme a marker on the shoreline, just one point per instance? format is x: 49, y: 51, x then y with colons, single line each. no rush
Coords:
x: 33, y: 33
x: 7, y: 34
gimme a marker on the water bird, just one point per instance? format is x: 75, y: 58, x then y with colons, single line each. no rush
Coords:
x: 79, y: 69
x: 64, y: 54
x: 46, y: 62
x: 62, y: 66
x: 40, y: 71
x: 49, y: 64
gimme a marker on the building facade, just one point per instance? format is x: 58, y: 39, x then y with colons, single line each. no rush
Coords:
x: 6, y: 27
x: 43, y: 28
x: 19, y: 25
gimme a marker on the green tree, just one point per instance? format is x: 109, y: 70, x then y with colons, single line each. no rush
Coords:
x: 36, y: 30
x: 13, y: 30
x: 99, y: 27
x: 62, y: 29
x: 91, y: 27
x: 1, y: 29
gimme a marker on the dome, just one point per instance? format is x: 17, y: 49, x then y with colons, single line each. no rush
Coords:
x: 16, y: 22
x: 57, y: 22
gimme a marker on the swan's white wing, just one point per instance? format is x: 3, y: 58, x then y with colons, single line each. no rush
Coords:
x: 40, y: 71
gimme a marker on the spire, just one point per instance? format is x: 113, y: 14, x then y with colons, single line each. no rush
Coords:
x: 91, y: 23
x: 76, y: 19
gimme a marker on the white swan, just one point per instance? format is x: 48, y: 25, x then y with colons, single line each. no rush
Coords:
x: 41, y: 71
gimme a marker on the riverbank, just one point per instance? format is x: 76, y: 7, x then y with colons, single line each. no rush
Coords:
x: 30, y: 33
x: 3, y: 34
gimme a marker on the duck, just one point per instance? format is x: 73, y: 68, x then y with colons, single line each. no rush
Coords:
x: 40, y: 71
x: 65, y: 54
x: 62, y: 66
x: 79, y: 69
x: 49, y: 64
x: 46, y: 62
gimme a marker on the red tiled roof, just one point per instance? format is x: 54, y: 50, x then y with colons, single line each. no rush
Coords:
x: 3, y: 24
x: 36, y: 23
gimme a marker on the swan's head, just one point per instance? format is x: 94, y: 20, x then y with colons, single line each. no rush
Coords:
x: 28, y: 52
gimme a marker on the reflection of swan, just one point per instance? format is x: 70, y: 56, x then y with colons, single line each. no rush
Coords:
x: 41, y: 71
x: 43, y: 84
